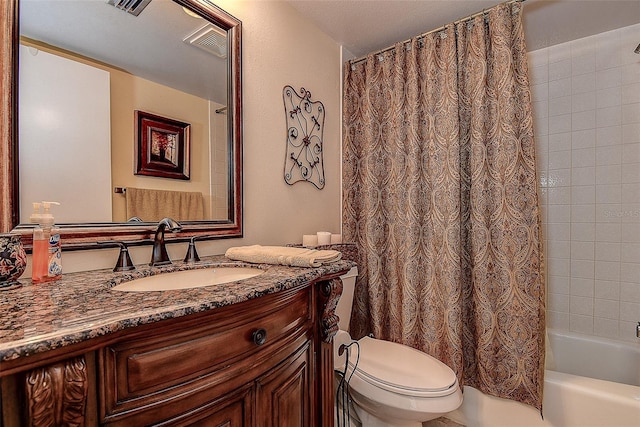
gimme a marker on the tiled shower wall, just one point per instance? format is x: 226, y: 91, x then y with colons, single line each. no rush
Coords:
x: 586, y: 106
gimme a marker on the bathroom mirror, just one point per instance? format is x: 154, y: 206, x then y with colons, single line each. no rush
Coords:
x: 205, y: 63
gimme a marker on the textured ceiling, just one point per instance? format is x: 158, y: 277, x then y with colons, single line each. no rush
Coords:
x: 364, y: 26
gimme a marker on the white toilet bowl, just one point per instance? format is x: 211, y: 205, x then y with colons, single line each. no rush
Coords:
x: 392, y: 385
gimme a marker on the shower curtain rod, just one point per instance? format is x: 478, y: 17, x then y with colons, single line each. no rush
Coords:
x: 466, y: 18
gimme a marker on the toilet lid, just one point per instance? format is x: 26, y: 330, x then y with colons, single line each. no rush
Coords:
x: 401, y: 369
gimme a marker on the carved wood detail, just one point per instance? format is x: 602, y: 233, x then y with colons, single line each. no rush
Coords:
x: 330, y: 292
x: 57, y: 394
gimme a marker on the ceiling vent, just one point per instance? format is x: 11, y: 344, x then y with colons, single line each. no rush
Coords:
x: 133, y: 7
x: 210, y: 38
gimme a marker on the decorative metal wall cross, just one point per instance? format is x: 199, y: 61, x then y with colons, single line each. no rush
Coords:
x: 305, y: 124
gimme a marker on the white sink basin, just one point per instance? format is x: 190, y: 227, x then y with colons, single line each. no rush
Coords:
x: 188, y: 279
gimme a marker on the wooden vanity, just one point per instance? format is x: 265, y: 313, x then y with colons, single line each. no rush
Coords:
x: 253, y: 353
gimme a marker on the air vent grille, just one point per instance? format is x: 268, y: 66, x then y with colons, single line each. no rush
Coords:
x: 211, y: 39
x: 133, y: 7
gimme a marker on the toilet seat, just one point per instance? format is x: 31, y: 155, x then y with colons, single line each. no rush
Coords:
x: 401, y: 369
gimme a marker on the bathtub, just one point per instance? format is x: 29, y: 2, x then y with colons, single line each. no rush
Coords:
x: 589, y: 381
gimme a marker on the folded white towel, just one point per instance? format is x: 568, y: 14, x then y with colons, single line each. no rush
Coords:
x: 283, y: 255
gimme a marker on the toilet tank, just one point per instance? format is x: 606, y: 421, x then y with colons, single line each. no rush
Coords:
x: 343, y: 310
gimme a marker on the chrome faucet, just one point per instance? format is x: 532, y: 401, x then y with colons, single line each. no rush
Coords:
x: 159, y: 255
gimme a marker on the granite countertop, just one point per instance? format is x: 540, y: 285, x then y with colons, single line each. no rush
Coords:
x: 81, y: 306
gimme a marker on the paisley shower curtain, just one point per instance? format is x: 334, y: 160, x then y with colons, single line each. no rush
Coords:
x: 439, y: 193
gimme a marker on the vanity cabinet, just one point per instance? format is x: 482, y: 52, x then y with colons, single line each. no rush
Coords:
x: 267, y: 361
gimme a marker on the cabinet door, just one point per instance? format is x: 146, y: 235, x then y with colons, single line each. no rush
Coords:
x: 285, y: 394
x: 233, y: 411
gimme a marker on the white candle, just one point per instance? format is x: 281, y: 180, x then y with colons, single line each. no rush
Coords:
x: 324, y: 238
x: 309, y: 240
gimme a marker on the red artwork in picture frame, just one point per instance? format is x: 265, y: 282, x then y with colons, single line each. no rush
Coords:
x: 162, y: 146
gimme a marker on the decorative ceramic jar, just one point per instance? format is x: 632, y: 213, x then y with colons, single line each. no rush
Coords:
x: 13, y: 261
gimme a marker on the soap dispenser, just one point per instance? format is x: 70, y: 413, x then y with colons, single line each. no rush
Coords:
x: 47, y: 249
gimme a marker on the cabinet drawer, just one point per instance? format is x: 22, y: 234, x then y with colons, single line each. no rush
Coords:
x: 199, y: 351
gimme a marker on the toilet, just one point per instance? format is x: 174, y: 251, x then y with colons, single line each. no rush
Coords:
x: 392, y: 385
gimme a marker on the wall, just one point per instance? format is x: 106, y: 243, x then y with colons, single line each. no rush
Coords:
x: 587, y: 120
x: 279, y: 48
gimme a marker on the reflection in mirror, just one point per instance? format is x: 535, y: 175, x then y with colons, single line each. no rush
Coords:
x: 85, y: 68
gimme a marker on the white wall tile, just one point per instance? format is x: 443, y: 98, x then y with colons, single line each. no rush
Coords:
x: 583, y: 120
x: 608, y: 174
x: 559, y: 178
x: 583, y: 213
x: 631, y: 153
x: 584, y: 194
x: 562, y: 87
x: 631, y: 113
x: 630, y: 272
x: 560, y: 159
x: 630, y: 292
x: 583, y: 232
x: 581, y: 158
x: 540, y: 92
x: 582, y: 287
x: 560, y: 70
x: 559, y: 302
x: 559, y: 267
x: 609, y: 97
x: 607, y: 251
x: 608, y: 135
x: 607, y: 270
x: 630, y: 133
x: 630, y: 173
x: 583, y: 64
x: 608, y: 212
x: 538, y: 74
x: 583, y: 175
x: 608, y: 232
x: 558, y: 106
x: 629, y: 311
x: 583, y: 83
x: 631, y: 93
x: 629, y: 74
x: 608, y: 193
x: 611, y: 77
x: 561, y: 141
x: 609, y: 155
x: 605, y: 327
x: 582, y: 269
x: 583, y: 101
x: 606, y: 308
x: 630, y: 252
x: 581, y: 324
x: 581, y: 305
x: 558, y: 320
x: 559, y: 124
x: 585, y: 138
x: 609, y: 116
x: 607, y: 289
x: 630, y: 232
x: 559, y: 195
x: 583, y: 250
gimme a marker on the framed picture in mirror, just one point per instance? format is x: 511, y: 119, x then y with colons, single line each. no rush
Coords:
x: 162, y: 146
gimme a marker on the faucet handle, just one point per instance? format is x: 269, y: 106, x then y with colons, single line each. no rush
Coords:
x: 124, y: 262
x: 192, y: 253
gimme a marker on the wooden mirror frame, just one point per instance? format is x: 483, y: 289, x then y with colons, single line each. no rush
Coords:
x: 87, y: 235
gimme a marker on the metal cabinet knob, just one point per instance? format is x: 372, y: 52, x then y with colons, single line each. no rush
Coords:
x: 259, y: 336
